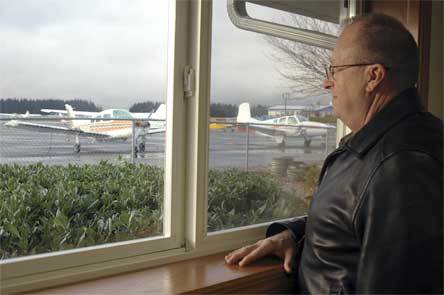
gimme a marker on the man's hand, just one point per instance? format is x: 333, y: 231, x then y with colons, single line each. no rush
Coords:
x: 281, y: 245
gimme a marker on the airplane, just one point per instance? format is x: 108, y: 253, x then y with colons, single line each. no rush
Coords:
x: 283, y: 127
x: 86, y: 114
x: 25, y: 115
x: 108, y: 125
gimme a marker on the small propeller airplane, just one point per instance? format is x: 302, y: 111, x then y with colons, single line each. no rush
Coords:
x: 25, y: 115
x: 108, y: 125
x: 283, y: 127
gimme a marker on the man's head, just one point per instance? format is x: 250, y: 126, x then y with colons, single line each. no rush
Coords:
x: 380, y: 59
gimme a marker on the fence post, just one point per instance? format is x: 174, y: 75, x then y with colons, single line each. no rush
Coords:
x: 326, y: 142
x: 132, y: 142
x: 247, y: 146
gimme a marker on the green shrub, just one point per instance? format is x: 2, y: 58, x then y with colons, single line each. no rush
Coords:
x: 310, y: 183
x: 50, y: 208
x: 238, y: 198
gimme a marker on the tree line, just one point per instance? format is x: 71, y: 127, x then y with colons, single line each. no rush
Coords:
x: 22, y: 105
x: 230, y: 110
x: 216, y: 109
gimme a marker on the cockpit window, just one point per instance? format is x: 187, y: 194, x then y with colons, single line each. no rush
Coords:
x: 302, y: 118
x: 283, y: 120
x: 121, y: 114
x: 292, y: 120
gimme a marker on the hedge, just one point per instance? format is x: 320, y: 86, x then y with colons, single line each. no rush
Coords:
x: 49, y: 208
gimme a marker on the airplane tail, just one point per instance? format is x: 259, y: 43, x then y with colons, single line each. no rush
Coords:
x: 71, y: 114
x: 160, y: 113
x: 244, y: 114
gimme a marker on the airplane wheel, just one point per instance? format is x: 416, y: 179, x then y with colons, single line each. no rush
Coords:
x: 283, y: 145
x: 142, y: 147
x: 77, y: 148
x: 307, y: 143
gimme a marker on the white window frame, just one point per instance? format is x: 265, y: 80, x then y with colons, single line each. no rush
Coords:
x: 186, y: 177
x: 42, y: 270
x: 229, y: 239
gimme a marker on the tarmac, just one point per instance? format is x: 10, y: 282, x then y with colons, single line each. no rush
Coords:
x: 227, y: 149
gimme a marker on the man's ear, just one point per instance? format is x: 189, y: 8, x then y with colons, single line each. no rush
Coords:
x: 376, y: 74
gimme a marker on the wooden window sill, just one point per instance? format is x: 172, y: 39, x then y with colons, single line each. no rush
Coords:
x: 202, y: 275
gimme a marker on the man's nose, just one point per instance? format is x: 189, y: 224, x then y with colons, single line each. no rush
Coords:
x: 327, y: 84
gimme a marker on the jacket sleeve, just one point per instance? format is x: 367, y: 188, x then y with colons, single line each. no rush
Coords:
x: 296, y: 225
x: 399, y: 220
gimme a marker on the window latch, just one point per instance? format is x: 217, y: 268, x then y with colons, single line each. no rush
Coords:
x: 188, y: 81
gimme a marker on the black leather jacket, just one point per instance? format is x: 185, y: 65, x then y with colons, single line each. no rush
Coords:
x: 375, y: 223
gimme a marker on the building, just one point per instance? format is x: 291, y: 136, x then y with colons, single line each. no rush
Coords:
x: 323, y: 111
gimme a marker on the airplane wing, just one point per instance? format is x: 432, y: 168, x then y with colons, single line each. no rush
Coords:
x: 53, y: 129
x: 25, y: 115
x: 65, y: 112
x: 270, y: 129
x: 156, y: 130
x: 312, y: 124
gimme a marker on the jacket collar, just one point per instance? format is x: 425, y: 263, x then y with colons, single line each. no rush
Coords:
x: 404, y: 104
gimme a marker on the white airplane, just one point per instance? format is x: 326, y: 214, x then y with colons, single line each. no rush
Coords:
x: 85, y: 114
x: 114, y: 127
x: 25, y: 115
x: 282, y: 128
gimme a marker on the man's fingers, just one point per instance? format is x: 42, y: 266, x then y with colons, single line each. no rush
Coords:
x: 262, y: 250
x: 238, y: 254
x: 288, y: 260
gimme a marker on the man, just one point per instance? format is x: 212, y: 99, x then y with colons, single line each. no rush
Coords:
x: 375, y: 222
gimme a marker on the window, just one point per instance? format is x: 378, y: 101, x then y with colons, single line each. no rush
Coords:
x: 58, y: 206
x: 90, y: 191
x: 219, y: 164
x: 292, y: 120
x: 262, y: 170
x: 121, y: 114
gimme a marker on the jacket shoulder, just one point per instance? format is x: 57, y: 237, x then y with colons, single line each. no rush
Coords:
x: 421, y: 132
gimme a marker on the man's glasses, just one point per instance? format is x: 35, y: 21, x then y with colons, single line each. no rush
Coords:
x: 330, y: 70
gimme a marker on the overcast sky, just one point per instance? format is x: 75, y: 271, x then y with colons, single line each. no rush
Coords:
x: 114, y: 53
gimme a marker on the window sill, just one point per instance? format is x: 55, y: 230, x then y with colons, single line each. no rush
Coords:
x: 202, y: 275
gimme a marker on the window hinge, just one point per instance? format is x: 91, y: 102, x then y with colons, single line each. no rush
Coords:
x: 188, y: 81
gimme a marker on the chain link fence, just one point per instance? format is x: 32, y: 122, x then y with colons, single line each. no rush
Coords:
x: 58, y: 141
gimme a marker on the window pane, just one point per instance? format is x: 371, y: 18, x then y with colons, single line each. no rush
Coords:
x: 82, y: 123
x: 319, y: 16
x: 267, y: 169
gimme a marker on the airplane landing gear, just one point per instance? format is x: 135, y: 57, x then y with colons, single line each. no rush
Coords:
x: 141, y: 147
x: 77, y: 148
x: 283, y: 145
x: 77, y: 145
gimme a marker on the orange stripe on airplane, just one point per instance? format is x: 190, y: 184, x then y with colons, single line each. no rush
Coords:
x: 99, y: 129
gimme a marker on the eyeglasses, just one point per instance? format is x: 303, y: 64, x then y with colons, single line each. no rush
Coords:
x: 330, y: 70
